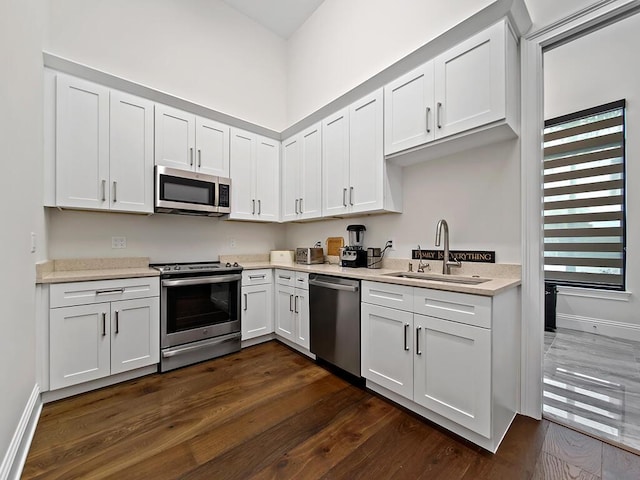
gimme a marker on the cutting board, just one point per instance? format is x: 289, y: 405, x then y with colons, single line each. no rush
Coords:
x: 334, y: 244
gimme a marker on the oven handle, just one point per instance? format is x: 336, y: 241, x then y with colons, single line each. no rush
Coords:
x: 201, y: 280
x: 191, y: 348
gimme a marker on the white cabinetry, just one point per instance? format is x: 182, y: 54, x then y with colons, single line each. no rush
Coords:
x: 104, y: 148
x: 302, y: 175
x: 451, y: 357
x: 255, y: 176
x: 469, y: 88
x: 102, y: 328
x: 292, y: 307
x: 190, y: 142
x: 257, y: 303
x: 356, y: 177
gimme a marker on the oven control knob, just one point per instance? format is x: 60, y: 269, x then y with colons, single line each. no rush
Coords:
x: 235, y: 264
x: 177, y: 267
x: 227, y: 264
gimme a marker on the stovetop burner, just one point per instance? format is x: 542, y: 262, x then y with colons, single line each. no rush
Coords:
x: 199, y: 268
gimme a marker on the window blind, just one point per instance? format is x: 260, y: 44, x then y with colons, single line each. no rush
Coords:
x: 584, y: 198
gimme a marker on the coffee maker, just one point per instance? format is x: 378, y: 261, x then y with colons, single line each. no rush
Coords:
x: 354, y: 254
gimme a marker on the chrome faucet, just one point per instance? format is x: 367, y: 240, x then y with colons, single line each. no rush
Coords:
x: 446, y: 263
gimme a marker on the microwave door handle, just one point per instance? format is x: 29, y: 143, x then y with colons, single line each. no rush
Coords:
x: 181, y: 282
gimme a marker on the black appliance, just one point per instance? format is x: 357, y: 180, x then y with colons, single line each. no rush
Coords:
x: 199, y: 312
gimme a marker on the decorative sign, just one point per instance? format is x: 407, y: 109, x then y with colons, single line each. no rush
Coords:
x: 460, y: 255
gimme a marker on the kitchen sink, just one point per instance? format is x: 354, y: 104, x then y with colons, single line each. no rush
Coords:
x: 439, y: 278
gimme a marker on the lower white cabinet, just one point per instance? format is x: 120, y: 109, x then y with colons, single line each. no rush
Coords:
x: 257, y: 303
x: 457, y: 366
x: 292, y: 306
x: 91, y: 337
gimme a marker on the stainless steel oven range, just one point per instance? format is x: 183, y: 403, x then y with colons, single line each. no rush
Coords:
x: 199, y: 312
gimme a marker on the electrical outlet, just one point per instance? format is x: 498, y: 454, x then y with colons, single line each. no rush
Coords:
x: 232, y: 243
x: 390, y: 244
x: 118, y: 242
x: 33, y: 242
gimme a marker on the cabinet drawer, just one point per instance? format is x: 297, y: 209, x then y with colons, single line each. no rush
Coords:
x: 83, y: 293
x: 302, y: 280
x: 257, y: 277
x: 458, y: 307
x: 286, y: 277
x: 388, y: 295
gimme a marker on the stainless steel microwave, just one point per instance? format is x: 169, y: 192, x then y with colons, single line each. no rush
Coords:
x: 191, y: 193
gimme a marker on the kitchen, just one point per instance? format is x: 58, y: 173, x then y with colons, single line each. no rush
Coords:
x: 453, y: 184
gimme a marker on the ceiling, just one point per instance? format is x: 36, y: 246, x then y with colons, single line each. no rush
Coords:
x: 282, y: 17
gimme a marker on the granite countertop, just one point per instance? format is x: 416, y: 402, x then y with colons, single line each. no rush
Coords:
x: 503, y: 277
x: 86, y: 269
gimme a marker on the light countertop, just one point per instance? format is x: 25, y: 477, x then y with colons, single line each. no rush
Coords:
x: 87, y: 269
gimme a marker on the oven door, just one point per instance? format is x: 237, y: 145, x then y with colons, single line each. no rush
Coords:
x: 198, y: 308
x: 178, y: 190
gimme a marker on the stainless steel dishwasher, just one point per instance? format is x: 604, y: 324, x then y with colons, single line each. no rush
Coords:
x: 334, y: 321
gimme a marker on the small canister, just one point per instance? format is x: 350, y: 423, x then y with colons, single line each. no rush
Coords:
x: 374, y: 258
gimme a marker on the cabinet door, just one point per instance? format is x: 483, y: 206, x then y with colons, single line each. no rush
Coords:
x: 335, y: 163
x: 301, y: 309
x: 285, y: 320
x: 82, y: 144
x: 257, y: 311
x: 267, y: 179
x: 135, y: 334
x: 470, y: 82
x: 131, y: 153
x: 212, y: 142
x: 366, y: 166
x: 387, y: 348
x: 243, y: 145
x: 290, y: 198
x: 453, y: 371
x: 79, y: 344
x: 175, y: 138
x: 311, y: 173
x: 409, y: 119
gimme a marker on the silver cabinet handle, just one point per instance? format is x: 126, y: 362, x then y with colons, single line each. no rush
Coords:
x: 351, y: 195
x: 259, y: 207
x: 297, y: 200
x: 418, y: 351
x: 191, y: 156
x: 117, y: 321
x: 257, y: 276
x: 427, y: 118
x: 245, y: 302
x: 104, y: 193
x: 199, y: 158
x: 253, y: 207
x: 104, y: 324
x: 290, y: 303
x: 110, y: 292
x: 115, y: 188
x: 438, y: 115
x: 284, y: 278
x: 295, y: 303
x: 344, y: 197
x: 406, y: 340
x: 301, y: 210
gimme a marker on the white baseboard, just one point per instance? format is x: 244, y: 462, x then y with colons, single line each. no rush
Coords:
x: 16, y: 455
x: 600, y: 326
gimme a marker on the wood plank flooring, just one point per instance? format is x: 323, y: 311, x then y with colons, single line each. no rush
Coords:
x: 268, y: 412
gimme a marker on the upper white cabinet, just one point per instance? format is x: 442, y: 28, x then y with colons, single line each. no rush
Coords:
x: 355, y: 175
x: 104, y: 148
x: 187, y: 141
x: 255, y: 176
x: 469, y: 88
x: 302, y: 175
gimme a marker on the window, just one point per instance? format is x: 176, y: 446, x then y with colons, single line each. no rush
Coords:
x: 584, y: 198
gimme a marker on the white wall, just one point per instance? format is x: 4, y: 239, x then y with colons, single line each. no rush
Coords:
x: 587, y: 72
x: 345, y: 43
x: 21, y: 212
x: 200, y: 50
x: 163, y: 238
x: 477, y: 192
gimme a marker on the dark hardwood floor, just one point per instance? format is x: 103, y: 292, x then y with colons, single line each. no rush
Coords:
x: 268, y: 412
